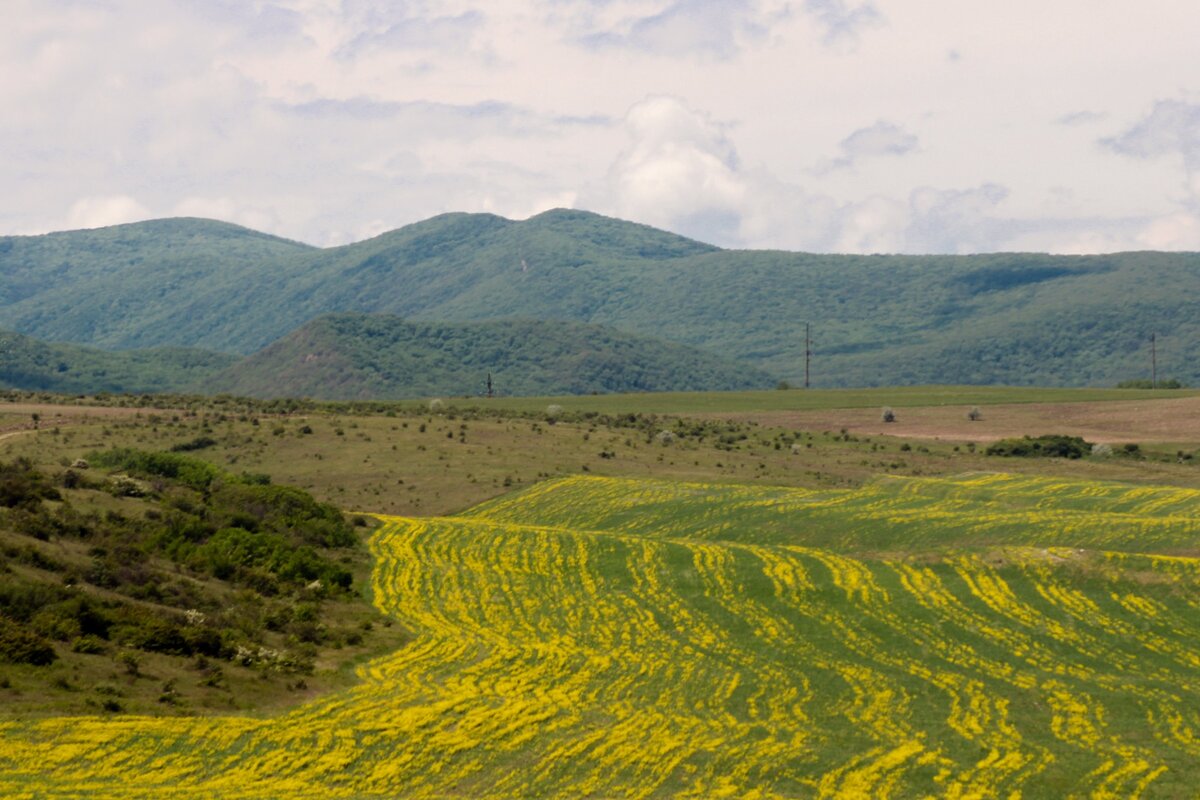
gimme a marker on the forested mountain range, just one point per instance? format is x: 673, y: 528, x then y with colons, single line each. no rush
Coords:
x: 1017, y: 318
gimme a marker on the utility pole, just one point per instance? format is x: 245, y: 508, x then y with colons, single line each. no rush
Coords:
x: 1153, y: 361
x: 491, y: 391
x: 807, y: 353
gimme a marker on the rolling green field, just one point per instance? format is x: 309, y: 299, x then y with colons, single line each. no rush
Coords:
x: 979, y: 636
x: 811, y: 399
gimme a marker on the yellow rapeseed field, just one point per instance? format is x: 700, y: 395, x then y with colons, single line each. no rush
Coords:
x: 988, y: 636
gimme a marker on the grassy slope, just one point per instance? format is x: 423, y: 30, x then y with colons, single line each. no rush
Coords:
x: 422, y: 463
x: 877, y: 320
x: 603, y: 637
x: 356, y: 356
x: 33, y: 365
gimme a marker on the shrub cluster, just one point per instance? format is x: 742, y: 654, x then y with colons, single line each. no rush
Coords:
x: 1171, y: 383
x: 21, y: 646
x: 1049, y: 446
x: 198, y: 521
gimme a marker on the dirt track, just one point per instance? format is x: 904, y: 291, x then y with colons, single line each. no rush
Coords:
x: 1173, y: 420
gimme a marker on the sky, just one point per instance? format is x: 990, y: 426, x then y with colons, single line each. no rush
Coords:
x: 857, y: 126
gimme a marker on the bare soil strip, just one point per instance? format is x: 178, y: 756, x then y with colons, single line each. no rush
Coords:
x: 1175, y: 420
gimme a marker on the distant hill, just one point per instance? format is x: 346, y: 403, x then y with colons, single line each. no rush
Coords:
x: 132, y: 285
x: 33, y: 365
x: 358, y: 356
x: 999, y: 318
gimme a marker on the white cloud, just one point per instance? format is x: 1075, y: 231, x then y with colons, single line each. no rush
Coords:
x: 1173, y: 232
x: 1084, y: 117
x: 956, y: 220
x: 327, y: 120
x: 97, y: 212
x: 431, y: 32
x: 843, y: 22
x: 678, y: 171
x: 881, y: 139
x: 1171, y: 128
x: 682, y: 172
x: 685, y: 28
x: 874, y: 225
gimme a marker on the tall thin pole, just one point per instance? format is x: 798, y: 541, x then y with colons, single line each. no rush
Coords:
x: 807, y: 354
x: 1153, y: 361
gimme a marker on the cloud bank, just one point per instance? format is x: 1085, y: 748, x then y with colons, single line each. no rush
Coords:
x: 824, y: 125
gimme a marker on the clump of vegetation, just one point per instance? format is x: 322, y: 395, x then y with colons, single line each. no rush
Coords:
x: 18, y: 645
x: 974, y: 414
x: 199, y: 443
x: 1171, y: 383
x: 246, y: 532
x: 197, y: 563
x: 888, y: 415
x: 1048, y: 446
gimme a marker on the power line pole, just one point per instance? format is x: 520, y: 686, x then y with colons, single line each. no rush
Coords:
x: 490, y: 389
x: 1153, y: 361
x: 807, y: 353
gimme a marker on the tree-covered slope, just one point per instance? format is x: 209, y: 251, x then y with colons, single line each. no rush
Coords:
x: 33, y: 365
x: 999, y: 318
x: 358, y: 356
x: 136, y: 285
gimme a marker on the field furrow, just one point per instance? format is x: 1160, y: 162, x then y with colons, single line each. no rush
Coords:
x: 982, y: 637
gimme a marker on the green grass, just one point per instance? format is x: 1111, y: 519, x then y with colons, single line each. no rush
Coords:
x: 711, y: 615
x: 814, y: 399
x: 420, y: 463
x: 597, y: 637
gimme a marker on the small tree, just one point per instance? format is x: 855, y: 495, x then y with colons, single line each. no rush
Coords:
x: 974, y: 414
x: 888, y: 415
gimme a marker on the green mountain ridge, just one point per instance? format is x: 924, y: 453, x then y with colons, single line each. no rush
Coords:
x: 33, y: 365
x: 358, y: 356
x: 1013, y: 318
x: 98, y: 286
